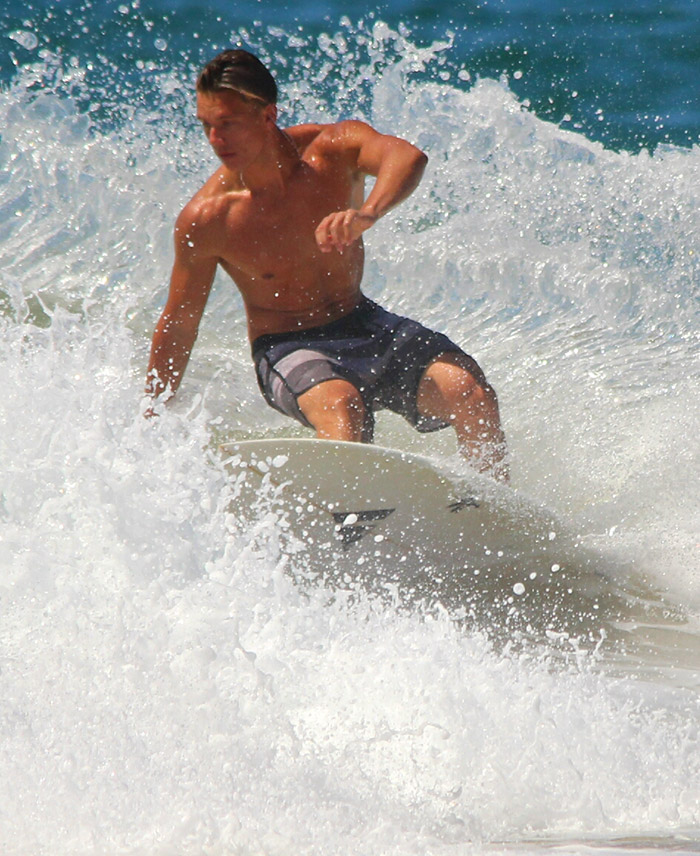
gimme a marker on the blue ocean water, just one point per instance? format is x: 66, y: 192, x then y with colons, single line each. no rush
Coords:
x: 165, y: 687
x: 622, y: 73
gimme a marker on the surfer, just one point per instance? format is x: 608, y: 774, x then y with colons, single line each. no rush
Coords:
x: 284, y: 216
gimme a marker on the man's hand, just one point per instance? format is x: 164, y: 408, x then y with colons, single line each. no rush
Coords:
x: 396, y: 164
x: 342, y: 228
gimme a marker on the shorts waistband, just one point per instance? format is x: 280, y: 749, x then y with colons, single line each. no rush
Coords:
x: 267, y: 340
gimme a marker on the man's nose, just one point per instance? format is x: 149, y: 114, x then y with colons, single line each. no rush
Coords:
x: 214, y: 136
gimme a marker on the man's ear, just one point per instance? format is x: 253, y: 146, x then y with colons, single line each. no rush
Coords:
x: 270, y: 113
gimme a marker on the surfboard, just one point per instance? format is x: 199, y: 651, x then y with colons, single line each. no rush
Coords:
x: 398, y: 522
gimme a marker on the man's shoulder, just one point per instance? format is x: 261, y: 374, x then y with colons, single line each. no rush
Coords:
x: 201, y: 223
x: 329, y: 137
x: 211, y: 202
x: 304, y: 135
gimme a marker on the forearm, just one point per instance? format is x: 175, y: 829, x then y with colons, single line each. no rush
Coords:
x: 172, y: 345
x: 401, y: 171
x: 397, y: 176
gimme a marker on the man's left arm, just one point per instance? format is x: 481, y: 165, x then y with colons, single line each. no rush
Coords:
x: 397, y: 166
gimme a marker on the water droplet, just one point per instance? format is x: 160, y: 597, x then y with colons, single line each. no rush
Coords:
x: 25, y: 38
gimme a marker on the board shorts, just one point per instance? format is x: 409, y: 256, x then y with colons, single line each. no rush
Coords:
x: 381, y: 354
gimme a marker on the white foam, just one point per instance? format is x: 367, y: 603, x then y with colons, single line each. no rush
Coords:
x: 165, y: 686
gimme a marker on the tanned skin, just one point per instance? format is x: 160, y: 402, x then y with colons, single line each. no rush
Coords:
x: 283, y: 215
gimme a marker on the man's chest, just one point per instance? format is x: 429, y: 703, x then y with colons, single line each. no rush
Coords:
x: 272, y: 230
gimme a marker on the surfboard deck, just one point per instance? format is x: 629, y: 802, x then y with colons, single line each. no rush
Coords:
x: 393, y: 520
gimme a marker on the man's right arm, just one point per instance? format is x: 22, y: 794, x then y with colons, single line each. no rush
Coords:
x: 190, y: 284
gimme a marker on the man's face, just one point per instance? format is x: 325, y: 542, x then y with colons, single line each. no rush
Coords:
x: 236, y: 128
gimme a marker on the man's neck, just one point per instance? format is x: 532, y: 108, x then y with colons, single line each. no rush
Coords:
x: 273, y: 169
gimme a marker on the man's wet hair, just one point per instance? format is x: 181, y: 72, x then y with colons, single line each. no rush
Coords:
x: 238, y: 71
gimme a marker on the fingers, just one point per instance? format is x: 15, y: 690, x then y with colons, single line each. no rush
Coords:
x: 340, y: 229
x: 333, y: 231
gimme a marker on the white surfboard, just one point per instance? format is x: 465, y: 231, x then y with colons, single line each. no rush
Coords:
x: 396, y: 521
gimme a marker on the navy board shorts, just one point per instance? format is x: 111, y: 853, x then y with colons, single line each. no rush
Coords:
x: 383, y: 355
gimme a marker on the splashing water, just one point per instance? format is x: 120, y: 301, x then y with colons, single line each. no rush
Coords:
x: 166, y: 687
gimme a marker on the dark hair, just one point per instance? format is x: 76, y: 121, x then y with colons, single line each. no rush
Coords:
x: 241, y: 72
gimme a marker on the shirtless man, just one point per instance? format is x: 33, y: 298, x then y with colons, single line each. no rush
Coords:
x: 283, y: 215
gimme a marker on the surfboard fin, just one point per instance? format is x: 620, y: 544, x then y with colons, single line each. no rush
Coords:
x: 352, y: 526
x: 464, y: 502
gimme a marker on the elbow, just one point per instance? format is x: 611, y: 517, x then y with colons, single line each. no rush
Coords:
x: 420, y: 162
x: 410, y: 156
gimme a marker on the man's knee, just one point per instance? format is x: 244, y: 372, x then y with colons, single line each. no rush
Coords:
x: 335, y: 396
x: 335, y: 409
x: 455, y: 381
